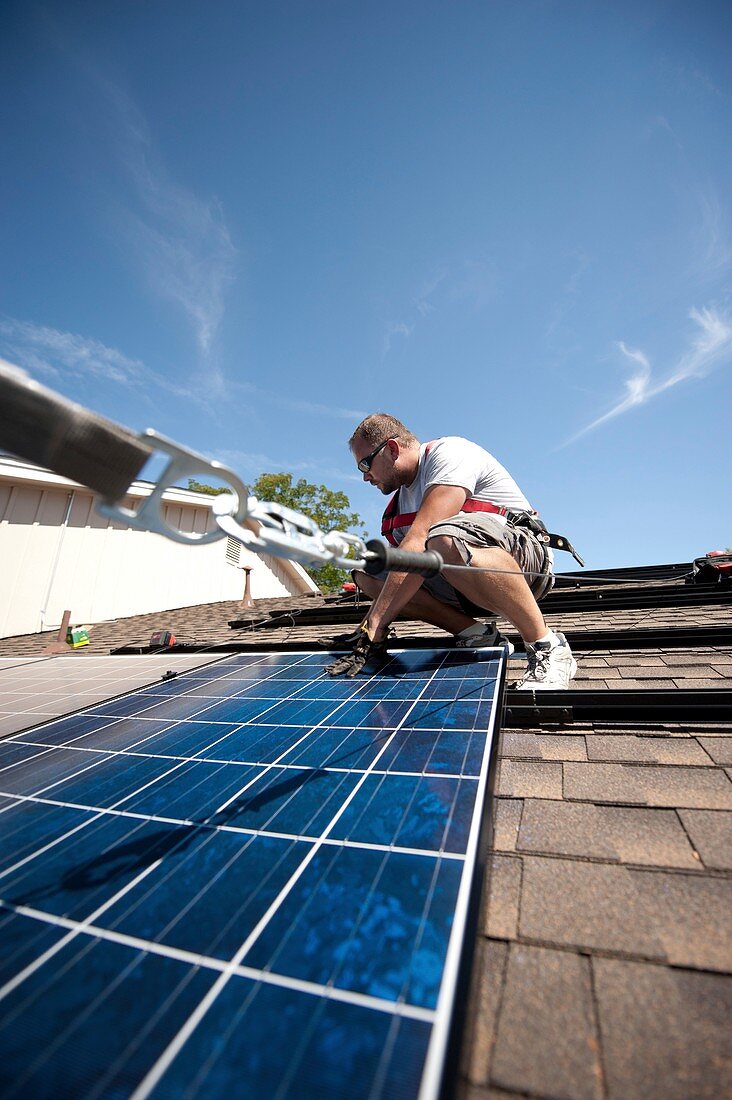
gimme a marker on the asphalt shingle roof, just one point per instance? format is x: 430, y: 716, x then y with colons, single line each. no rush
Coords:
x: 602, y: 963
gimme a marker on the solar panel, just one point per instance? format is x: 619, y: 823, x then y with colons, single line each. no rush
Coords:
x: 251, y: 880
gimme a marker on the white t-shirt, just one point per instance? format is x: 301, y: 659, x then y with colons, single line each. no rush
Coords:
x: 456, y: 461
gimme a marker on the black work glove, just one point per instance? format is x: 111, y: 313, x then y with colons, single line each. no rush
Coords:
x: 364, y: 650
x: 342, y: 641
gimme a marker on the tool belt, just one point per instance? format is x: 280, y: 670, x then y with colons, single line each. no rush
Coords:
x: 538, y: 528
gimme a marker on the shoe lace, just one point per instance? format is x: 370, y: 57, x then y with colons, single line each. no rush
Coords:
x: 538, y: 660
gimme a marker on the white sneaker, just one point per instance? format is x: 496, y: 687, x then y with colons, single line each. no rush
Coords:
x: 551, y: 665
x: 488, y: 637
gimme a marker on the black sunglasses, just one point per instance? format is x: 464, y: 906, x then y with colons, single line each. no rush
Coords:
x: 365, y: 464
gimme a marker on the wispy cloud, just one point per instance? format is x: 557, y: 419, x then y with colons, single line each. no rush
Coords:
x: 394, y: 329
x: 249, y: 464
x: 660, y: 122
x: 710, y: 345
x: 424, y: 299
x: 568, y: 293
x: 181, y: 239
x: 714, y: 249
x: 57, y: 355
x: 468, y: 281
x: 308, y: 408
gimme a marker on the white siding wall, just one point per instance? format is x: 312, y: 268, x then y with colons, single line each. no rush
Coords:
x: 56, y: 552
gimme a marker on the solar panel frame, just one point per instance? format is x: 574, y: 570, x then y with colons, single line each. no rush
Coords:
x: 443, y: 1044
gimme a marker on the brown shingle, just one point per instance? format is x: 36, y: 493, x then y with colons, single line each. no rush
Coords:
x: 692, y: 916
x: 547, y: 1041
x: 704, y: 788
x: 543, y: 746
x: 586, y: 905
x: 522, y: 779
x: 665, y: 1032
x: 646, y: 684
x: 651, y: 750
x: 489, y: 968
x: 711, y: 835
x: 669, y: 916
x: 629, y: 835
x: 507, y: 817
x: 502, y: 899
x: 719, y: 748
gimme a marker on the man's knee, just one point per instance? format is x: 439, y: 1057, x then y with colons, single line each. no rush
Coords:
x: 370, y: 586
x: 445, y: 546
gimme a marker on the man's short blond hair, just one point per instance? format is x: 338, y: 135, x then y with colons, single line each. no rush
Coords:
x: 381, y: 426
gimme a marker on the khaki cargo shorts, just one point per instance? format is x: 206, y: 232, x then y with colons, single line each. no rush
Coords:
x: 476, y: 529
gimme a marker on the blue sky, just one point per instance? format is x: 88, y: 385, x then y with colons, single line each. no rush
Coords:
x: 247, y: 225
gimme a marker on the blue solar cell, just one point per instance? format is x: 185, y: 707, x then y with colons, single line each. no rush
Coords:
x: 92, y: 865
x: 116, y: 734
x: 100, y: 1013
x: 24, y: 941
x: 291, y: 800
x: 108, y: 780
x: 184, y: 738
x: 258, y: 743
x: 294, y: 1046
x: 435, y: 751
x: 370, y: 921
x: 11, y: 754
x: 326, y: 687
x: 28, y: 826
x: 120, y: 708
x: 66, y: 730
x: 209, y: 710
x: 431, y: 812
x: 368, y: 712
x: 43, y: 770
x: 461, y: 714
x: 391, y: 689
x: 339, y: 747
x: 192, y: 790
x: 209, y: 893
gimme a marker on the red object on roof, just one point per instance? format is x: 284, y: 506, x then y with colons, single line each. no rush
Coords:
x: 349, y: 586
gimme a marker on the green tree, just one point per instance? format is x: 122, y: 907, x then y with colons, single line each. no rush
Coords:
x: 331, y: 511
x: 201, y: 487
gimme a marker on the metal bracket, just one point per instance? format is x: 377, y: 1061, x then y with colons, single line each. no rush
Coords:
x: 149, y: 515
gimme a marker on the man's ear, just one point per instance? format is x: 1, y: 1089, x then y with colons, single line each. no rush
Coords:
x: 394, y: 449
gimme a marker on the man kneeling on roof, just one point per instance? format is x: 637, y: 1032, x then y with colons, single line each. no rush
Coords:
x: 454, y: 497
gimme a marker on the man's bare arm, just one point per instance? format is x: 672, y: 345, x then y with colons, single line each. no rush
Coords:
x: 440, y: 502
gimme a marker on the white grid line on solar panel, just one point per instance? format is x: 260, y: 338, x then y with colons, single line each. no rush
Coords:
x: 115, y: 698
x: 184, y: 823
x: 74, y: 775
x: 13, y: 662
x: 103, y: 672
x: 438, y: 1040
x: 110, y: 753
x: 37, y: 963
x: 137, y: 747
x: 88, y: 711
x: 157, y: 1071
x: 267, y: 977
x: 73, y: 691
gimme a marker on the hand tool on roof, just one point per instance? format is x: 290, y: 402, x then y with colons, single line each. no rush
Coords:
x: 43, y: 427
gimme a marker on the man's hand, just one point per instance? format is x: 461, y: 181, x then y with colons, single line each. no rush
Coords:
x: 364, y: 650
